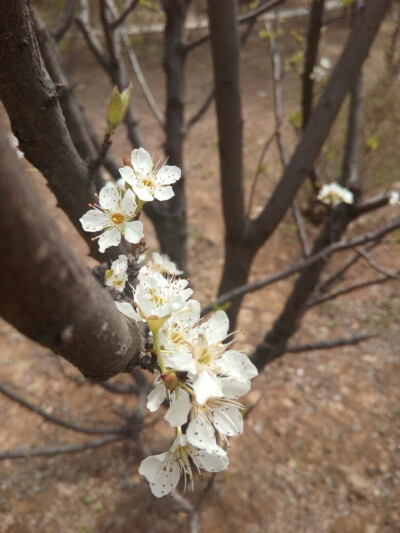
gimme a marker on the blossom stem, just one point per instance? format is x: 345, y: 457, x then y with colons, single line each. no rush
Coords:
x: 187, y: 388
x: 157, y: 349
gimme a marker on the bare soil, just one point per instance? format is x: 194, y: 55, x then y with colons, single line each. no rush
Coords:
x: 321, y: 448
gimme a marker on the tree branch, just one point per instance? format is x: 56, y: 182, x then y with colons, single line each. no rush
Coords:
x: 83, y: 23
x: 65, y: 22
x: 57, y: 450
x: 294, y: 269
x: 56, y: 419
x: 76, y: 318
x: 320, y: 123
x: 327, y: 345
x: 128, y: 8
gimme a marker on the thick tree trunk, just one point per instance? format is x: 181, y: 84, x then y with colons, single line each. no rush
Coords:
x: 48, y: 294
x: 32, y: 102
x: 173, y: 236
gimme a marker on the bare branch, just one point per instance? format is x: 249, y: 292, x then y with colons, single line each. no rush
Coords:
x: 326, y: 345
x: 310, y: 58
x: 319, y: 125
x: 128, y: 8
x: 278, y: 112
x: 268, y: 5
x: 56, y: 419
x: 375, y: 265
x: 347, y: 290
x: 311, y: 260
x: 49, y: 451
x: 257, y: 174
x: 372, y: 203
x: 201, y: 111
x: 83, y: 23
x: 136, y: 67
x: 65, y: 22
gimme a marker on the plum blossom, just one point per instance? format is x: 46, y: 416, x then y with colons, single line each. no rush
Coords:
x: 148, y: 181
x: 205, y: 344
x: 115, y: 215
x: 320, y: 71
x: 163, y: 471
x: 214, y: 407
x: 394, y: 198
x: 156, y: 298
x: 334, y: 194
x: 161, y: 263
x: 117, y: 276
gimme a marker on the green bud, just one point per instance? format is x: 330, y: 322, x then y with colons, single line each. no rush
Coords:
x: 125, y: 99
x: 114, y: 111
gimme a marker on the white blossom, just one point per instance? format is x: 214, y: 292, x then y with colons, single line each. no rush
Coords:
x: 156, y: 298
x: 208, y: 352
x: 163, y: 471
x: 148, y: 181
x: 115, y: 215
x: 214, y: 408
x: 334, y: 194
x: 320, y: 71
x: 13, y: 142
x: 394, y: 198
x: 161, y: 263
x: 117, y: 276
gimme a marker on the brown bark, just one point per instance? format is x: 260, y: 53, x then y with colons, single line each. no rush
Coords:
x: 32, y: 102
x: 48, y: 294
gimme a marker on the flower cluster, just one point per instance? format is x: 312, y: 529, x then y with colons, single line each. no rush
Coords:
x: 200, y: 376
x: 333, y: 194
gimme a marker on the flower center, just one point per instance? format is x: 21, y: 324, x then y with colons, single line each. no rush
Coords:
x: 117, y: 219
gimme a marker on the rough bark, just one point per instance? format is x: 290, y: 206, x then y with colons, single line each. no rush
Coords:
x: 226, y: 59
x: 31, y: 100
x: 174, y: 235
x: 48, y: 294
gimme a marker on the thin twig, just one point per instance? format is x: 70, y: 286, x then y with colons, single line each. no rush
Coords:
x: 128, y: 8
x: 83, y: 23
x: 136, y: 68
x: 257, y: 174
x: 278, y: 112
x: 326, y: 345
x: 65, y: 22
x: 348, y: 290
x: 376, y: 266
x: 294, y: 269
x: 26, y: 453
x: 242, y: 19
x: 55, y: 419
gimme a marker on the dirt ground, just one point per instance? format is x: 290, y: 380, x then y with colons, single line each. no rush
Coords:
x: 321, y: 449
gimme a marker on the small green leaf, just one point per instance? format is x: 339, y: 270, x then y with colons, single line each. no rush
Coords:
x: 114, y: 111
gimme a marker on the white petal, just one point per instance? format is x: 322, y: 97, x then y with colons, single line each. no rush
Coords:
x: 228, y: 420
x: 163, y: 476
x: 234, y: 388
x: 217, y: 327
x: 156, y: 397
x: 210, y: 460
x: 94, y: 220
x: 168, y: 174
x: 141, y: 161
x: 109, y: 238
x: 181, y: 361
x: 120, y: 265
x: 109, y: 197
x: 237, y: 365
x: 177, y: 414
x: 164, y: 194
x: 206, y: 387
x: 128, y: 175
x: 128, y: 203
x: 134, y: 231
x: 142, y: 193
x: 200, y: 432
x: 127, y: 310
